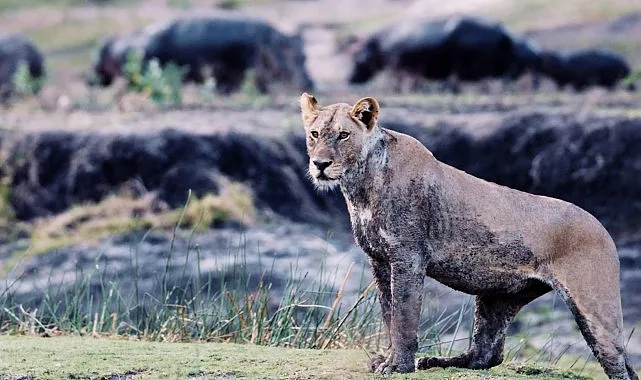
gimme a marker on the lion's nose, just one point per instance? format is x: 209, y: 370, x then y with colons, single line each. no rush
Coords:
x: 321, y: 164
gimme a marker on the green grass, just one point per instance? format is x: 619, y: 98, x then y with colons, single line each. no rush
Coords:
x: 532, y: 14
x: 75, y: 357
x: 68, y: 50
x: 21, y: 4
x: 529, y: 14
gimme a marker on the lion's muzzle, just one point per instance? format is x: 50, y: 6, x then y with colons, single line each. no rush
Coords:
x: 317, y: 169
x: 324, y: 172
x: 322, y: 164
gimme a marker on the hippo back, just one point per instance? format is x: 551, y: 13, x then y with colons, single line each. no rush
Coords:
x: 435, y: 49
x: 599, y: 60
x: 232, y: 41
x: 479, y: 48
x: 403, y: 47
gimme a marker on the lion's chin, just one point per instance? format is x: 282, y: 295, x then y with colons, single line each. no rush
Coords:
x: 325, y: 184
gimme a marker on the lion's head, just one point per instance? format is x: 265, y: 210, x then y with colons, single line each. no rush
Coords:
x: 338, y: 136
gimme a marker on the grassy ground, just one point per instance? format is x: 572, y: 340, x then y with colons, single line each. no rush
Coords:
x: 18, y: 4
x: 538, y: 14
x: 80, y: 358
x: 54, y: 26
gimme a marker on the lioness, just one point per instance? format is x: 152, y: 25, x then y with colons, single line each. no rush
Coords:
x: 416, y: 216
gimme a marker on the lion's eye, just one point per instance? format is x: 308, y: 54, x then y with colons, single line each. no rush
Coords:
x: 343, y: 135
x: 314, y: 134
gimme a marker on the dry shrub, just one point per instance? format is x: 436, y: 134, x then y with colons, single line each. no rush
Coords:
x: 124, y: 212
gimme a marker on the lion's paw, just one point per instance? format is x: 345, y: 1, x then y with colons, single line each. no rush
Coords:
x: 374, y: 362
x: 385, y: 369
x: 380, y: 364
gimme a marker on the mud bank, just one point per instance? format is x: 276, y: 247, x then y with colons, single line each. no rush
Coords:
x: 593, y: 162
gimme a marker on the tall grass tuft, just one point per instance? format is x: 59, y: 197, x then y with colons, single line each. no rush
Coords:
x: 224, y: 305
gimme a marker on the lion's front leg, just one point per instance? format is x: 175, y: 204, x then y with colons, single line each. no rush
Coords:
x: 382, y: 275
x: 407, y: 285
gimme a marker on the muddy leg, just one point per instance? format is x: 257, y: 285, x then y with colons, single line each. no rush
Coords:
x: 493, y: 315
x: 407, y: 285
x: 382, y: 276
x: 601, y: 324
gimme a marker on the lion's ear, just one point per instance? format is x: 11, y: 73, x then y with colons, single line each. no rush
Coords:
x: 366, y: 111
x: 309, y: 108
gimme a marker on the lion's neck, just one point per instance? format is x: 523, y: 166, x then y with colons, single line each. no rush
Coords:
x: 361, y: 183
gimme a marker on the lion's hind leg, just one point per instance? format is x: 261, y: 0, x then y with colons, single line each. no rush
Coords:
x: 601, y: 325
x: 587, y: 277
x: 493, y: 315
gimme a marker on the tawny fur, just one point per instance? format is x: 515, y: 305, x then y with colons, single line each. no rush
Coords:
x: 415, y: 216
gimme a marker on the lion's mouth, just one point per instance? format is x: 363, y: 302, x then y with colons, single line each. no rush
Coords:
x: 323, y: 177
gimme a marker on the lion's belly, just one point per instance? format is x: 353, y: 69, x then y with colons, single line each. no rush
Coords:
x: 473, y: 281
x: 474, y: 261
x: 493, y: 268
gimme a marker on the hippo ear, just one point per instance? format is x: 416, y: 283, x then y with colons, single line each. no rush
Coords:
x: 309, y: 108
x: 366, y: 111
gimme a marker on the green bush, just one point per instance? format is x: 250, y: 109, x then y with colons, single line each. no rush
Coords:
x: 230, y: 4
x: 163, y: 85
x: 632, y: 78
x: 185, y: 4
x: 24, y: 83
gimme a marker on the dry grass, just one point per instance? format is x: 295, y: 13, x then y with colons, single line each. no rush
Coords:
x: 120, y: 213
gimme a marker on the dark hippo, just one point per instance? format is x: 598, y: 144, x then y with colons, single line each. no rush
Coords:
x: 403, y: 48
x: 586, y: 68
x: 467, y: 48
x: 480, y: 49
x: 553, y: 65
x: 15, y: 49
x: 227, y: 47
x: 526, y: 60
